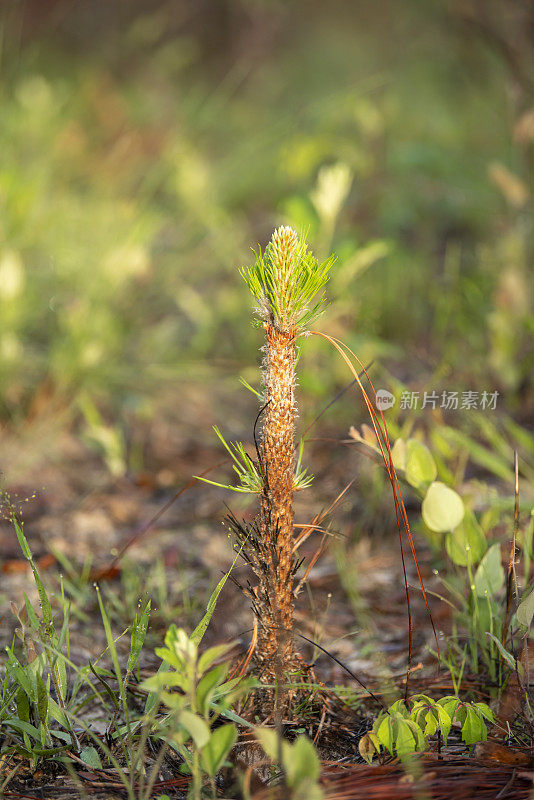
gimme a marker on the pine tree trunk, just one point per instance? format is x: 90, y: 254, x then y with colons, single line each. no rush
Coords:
x: 277, y: 448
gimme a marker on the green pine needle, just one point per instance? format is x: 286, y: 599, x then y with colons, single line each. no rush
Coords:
x: 250, y: 478
x: 247, y: 471
x: 287, y: 280
x: 301, y: 480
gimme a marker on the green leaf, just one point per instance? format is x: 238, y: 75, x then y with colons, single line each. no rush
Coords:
x: 230, y: 691
x: 273, y: 746
x: 385, y: 731
x: 442, y: 508
x: 398, y: 456
x: 406, y: 738
x: 489, y: 577
x: 42, y: 699
x: 43, y: 597
x: 446, y: 709
x: 109, y: 691
x: 247, y: 385
x: 220, y: 743
x: 420, y: 465
x: 449, y: 703
x: 23, y: 727
x: 163, y: 679
x: 444, y: 722
x: 466, y: 543
x: 269, y: 741
x: 250, y: 478
x: 474, y: 728
x: 207, y: 686
x: 111, y: 644
x: 20, y: 675
x: 33, y: 619
x: 507, y: 656
x: 152, y: 699
x: 23, y: 542
x: 196, y: 727
x: 303, y: 762
x: 23, y: 706
x: 58, y: 714
x: 486, y: 711
x: 170, y: 658
x: 180, y: 650
x: 229, y: 714
x: 525, y: 610
x: 65, y: 737
x: 48, y: 752
x: 431, y: 723
x: 421, y: 741
x: 174, y: 700
x: 418, y: 713
x: 201, y: 628
x: 212, y: 654
x: 139, y: 629
x: 399, y: 707
x: 89, y: 756
x: 307, y: 790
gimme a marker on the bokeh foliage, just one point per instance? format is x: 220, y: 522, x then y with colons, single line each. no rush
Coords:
x: 144, y: 148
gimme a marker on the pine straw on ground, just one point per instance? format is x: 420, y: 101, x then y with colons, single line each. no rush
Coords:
x: 428, y: 778
x: 424, y: 778
x: 441, y: 779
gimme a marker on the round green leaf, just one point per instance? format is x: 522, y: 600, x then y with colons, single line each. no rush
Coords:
x: 398, y: 456
x: 489, y: 577
x: 466, y: 543
x: 442, y: 508
x: 420, y: 465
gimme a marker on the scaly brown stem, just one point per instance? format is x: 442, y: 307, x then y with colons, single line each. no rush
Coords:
x: 277, y: 448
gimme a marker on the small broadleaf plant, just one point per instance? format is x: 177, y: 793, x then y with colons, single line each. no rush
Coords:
x: 405, y: 727
x: 299, y: 761
x: 196, y: 691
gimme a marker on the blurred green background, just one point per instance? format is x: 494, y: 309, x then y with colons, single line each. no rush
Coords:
x: 146, y: 146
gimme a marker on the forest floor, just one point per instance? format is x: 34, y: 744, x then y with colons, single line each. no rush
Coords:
x: 88, y: 527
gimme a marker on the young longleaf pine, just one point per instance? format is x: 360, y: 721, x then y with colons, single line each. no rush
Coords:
x: 287, y: 281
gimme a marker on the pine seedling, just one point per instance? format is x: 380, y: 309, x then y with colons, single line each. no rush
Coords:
x: 287, y: 282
